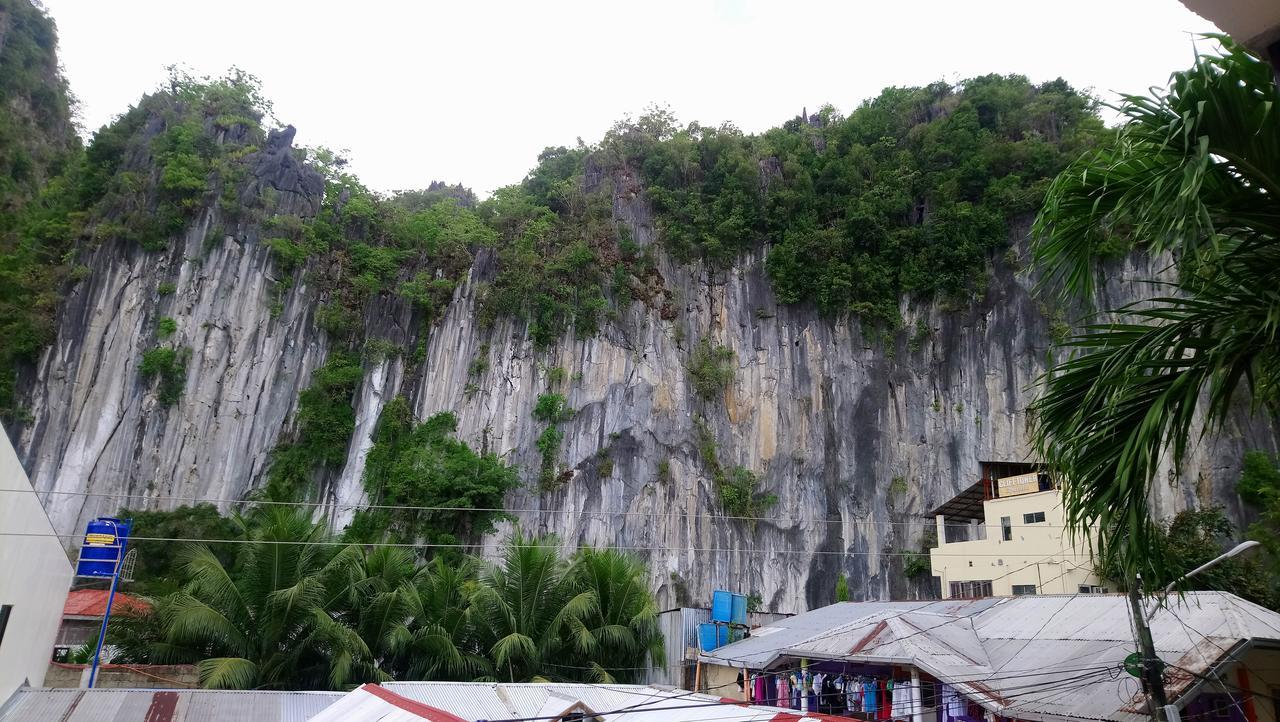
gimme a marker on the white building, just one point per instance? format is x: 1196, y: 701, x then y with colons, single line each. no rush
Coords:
x: 34, y: 577
x: 1005, y: 536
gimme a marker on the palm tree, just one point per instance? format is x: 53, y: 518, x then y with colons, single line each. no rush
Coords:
x: 525, y: 610
x: 621, y: 627
x: 1194, y: 173
x: 266, y: 622
x: 413, y: 617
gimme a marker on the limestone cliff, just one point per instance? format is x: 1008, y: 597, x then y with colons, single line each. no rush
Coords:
x: 858, y: 434
x: 857, y: 438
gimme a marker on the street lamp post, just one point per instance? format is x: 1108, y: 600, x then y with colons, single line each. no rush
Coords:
x: 1152, y: 675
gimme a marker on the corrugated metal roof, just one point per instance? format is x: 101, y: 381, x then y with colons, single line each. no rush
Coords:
x: 1029, y: 657
x: 170, y: 705
x: 489, y: 701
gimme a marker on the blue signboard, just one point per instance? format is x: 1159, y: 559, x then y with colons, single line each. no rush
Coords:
x: 105, y: 539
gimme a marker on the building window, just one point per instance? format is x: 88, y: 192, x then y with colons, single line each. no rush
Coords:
x: 1092, y: 589
x: 970, y: 590
x: 1006, y: 528
x: 1033, y: 518
x: 5, y: 609
x: 1023, y: 589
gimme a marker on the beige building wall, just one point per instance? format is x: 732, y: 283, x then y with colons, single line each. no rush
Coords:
x: 35, y: 575
x: 1038, y: 554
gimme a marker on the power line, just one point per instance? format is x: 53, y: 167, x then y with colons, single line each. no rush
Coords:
x: 426, y: 545
x: 335, y: 505
x: 1079, y: 683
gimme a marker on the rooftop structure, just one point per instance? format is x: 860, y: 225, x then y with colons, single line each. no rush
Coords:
x: 152, y: 705
x: 1005, y: 535
x: 1047, y: 658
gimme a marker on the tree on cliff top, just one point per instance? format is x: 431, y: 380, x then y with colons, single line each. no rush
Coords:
x: 1193, y: 173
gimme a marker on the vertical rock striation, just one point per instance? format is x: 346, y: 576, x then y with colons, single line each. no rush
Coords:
x: 857, y: 436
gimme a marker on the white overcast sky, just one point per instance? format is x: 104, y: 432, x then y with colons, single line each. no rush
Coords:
x: 471, y: 90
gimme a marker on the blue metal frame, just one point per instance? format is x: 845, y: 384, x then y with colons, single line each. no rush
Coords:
x: 111, y: 596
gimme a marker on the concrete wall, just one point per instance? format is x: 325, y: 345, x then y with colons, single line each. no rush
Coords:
x: 1038, y: 554
x: 34, y: 577
x: 113, y: 676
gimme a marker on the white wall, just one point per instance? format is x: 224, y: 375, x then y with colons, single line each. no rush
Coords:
x: 35, y: 575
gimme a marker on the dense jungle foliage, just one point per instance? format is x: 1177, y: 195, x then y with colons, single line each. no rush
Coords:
x: 288, y: 606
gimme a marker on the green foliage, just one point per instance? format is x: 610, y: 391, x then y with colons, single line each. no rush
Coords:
x: 325, y: 422
x: 264, y: 621
x: 558, y: 246
x: 293, y: 610
x: 169, y: 366
x: 1187, y: 175
x: 919, y: 336
x: 918, y: 564
x: 842, y: 588
x: 166, y: 327
x: 480, y: 363
x: 288, y: 253
x: 422, y: 465
x: 1259, y: 486
x: 1194, y: 537
x: 36, y: 133
x: 555, y: 375
x: 711, y: 369
x: 166, y: 289
x: 159, y: 568
x: 552, y: 408
x: 908, y: 194
x: 377, y: 349
x: 898, y: 486
x: 737, y: 488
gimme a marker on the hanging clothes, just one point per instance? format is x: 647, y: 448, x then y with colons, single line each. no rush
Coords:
x: 870, y: 698
x: 758, y: 688
x: 886, y: 700
x: 784, y: 691
x: 949, y: 699
x: 902, y: 707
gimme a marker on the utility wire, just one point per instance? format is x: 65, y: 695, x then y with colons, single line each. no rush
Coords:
x: 1079, y: 683
x: 425, y: 545
x: 333, y: 505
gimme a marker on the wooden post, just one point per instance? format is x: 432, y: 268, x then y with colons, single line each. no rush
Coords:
x: 697, y: 677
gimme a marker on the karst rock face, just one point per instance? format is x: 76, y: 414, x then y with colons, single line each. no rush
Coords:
x: 858, y: 435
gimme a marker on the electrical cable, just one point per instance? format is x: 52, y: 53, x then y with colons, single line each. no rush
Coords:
x: 910, y: 709
x: 334, y: 505
x: 425, y: 545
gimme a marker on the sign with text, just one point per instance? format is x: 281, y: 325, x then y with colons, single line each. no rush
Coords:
x: 1020, y: 484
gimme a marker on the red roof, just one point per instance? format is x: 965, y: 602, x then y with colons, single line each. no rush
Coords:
x: 93, y: 603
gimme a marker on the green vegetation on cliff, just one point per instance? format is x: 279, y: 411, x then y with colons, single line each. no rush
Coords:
x: 433, y: 478
x: 325, y: 421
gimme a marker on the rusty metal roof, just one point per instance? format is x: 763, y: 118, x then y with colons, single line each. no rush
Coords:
x: 93, y: 603
x: 162, y: 705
